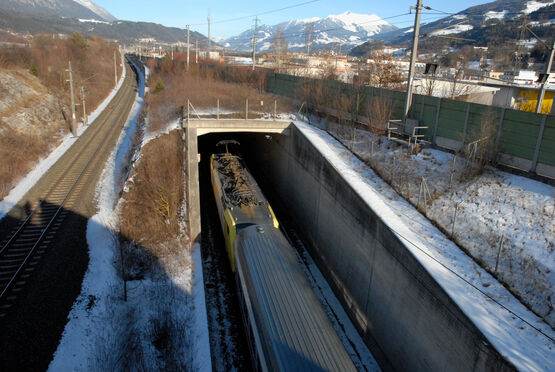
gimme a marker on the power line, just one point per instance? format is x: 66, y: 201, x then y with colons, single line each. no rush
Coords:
x: 291, y: 33
x: 258, y: 14
x: 468, y: 282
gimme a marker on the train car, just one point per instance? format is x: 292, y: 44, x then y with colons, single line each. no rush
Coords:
x: 287, y: 327
x: 239, y: 199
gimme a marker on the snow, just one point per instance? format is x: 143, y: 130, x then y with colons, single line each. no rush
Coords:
x: 44, y: 165
x: 94, y: 309
x: 202, y: 344
x: 514, y: 334
x: 527, y: 43
x: 495, y: 15
x: 453, y: 30
x: 149, y: 136
x: 370, y: 23
x: 532, y: 6
x: 92, y: 21
x: 106, y: 333
x: 306, y: 20
x: 96, y: 9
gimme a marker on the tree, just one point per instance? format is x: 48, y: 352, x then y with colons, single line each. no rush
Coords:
x: 279, y: 45
x: 384, y: 72
x: 79, y: 40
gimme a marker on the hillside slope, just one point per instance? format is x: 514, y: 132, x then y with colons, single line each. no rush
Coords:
x: 67, y: 8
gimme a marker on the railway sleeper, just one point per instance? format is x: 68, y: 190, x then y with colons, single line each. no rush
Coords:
x: 22, y: 238
x: 33, y: 228
x: 5, y: 278
x: 20, y: 246
x: 5, y: 267
x: 12, y: 256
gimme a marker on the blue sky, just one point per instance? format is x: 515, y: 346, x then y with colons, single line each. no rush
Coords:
x: 180, y: 13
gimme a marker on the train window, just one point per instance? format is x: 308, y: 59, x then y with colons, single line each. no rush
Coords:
x: 241, y: 226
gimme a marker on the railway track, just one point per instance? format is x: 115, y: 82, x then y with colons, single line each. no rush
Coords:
x: 23, y: 247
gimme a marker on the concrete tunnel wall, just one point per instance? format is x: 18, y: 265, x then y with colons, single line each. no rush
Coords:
x: 404, y: 316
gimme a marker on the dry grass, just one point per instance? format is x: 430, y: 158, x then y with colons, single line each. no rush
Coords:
x: 16, y: 162
x: 151, y: 212
x: 47, y: 58
x: 92, y: 63
x: 203, y: 86
x: 379, y: 111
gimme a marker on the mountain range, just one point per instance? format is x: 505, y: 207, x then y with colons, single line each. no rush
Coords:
x: 347, y: 29
x: 339, y: 33
x: 86, y: 17
x: 358, y: 31
x: 472, y: 18
x: 84, y: 9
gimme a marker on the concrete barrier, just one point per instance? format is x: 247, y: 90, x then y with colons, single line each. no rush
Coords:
x: 405, y: 317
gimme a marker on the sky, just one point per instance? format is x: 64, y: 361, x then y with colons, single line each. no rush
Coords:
x: 176, y: 13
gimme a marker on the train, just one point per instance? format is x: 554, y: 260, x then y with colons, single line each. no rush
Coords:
x: 286, y: 326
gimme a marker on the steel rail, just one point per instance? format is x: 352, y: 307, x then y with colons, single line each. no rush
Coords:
x: 116, y: 112
x: 77, y: 157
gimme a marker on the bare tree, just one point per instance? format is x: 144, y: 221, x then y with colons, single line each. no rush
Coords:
x: 384, y: 72
x: 279, y: 45
x: 430, y: 84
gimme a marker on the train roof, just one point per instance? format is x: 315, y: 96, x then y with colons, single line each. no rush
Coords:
x: 288, y: 314
x: 241, y: 192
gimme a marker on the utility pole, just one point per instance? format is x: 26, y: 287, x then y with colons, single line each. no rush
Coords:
x: 254, y: 43
x: 196, y: 56
x: 309, y: 30
x: 85, y: 119
x: 187, y: 47
x: 115, y: 69
x: 72, y: 100
x: 413, y: 54
x: 541, y: 93
x: 208, y: 49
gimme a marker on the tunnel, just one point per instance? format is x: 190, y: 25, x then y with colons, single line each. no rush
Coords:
x: 403, y: 315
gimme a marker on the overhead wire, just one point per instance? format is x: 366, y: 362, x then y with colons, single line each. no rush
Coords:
x: 257, y: 14
x: 295, y: 33
x: 474, y: 286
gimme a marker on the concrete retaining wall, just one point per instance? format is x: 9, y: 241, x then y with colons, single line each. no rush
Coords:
x: 407, y: 320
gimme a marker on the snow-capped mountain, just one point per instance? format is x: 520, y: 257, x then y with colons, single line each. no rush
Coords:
x: 476, y: 17
x: 347, y: 29
x: 97, y: 9
x: 84, y: 9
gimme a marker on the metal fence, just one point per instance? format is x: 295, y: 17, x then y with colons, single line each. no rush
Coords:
x: 523, y: 140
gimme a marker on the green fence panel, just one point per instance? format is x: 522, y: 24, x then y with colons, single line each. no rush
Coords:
x: 398, y: 102
x: 520, y: 133
x: 451, y: 119
x: 429, y: 116
x: 483, y: 122
x: 416, y: 105
x: 547, y: 149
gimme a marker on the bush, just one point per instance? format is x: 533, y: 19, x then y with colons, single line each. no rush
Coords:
x: 34, y: 71
x: 159, y: 87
